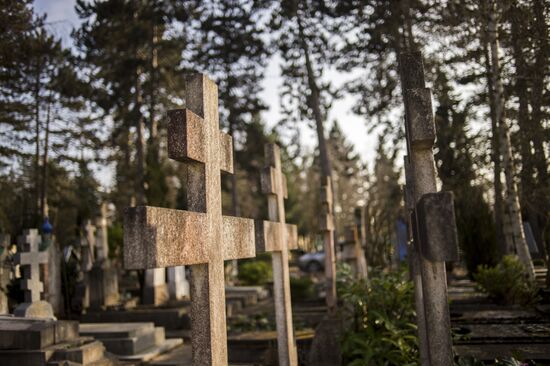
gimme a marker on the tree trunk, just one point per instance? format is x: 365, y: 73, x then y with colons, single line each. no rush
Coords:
x: 539, y: 72
x: 44, y: 188
x: 495, y: 153
x: 314, y: 102
x: 36, y: 206
x: 140, y: 142
x: 514, y: 233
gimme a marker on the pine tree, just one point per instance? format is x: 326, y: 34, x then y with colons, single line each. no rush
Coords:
x: 229, y: 47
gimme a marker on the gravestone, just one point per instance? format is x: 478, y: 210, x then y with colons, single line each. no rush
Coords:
x: 202, y: 237
x: 329, y: 330
x: 29, y: 259
x: 5, y: 272
x: 352, y: 252
x: 326, y: 227
x: 81, y: 300
x: 155, y: 289
x: 102, y: 277
x: 178, y: 286
x: 52, y: 271
x: 277, y: 237
x: 433, y: 212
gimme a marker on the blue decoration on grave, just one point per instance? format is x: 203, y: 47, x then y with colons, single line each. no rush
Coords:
x: 47, y: 228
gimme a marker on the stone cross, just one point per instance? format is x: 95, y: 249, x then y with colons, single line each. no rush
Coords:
x: 326, y: 226
x: 431, y: 249
x: 202, y: 237
x: 29, y: 258
x: 102, y: 240
x: 352, y: 252
x: 87, y: 245
x: 277, y: 237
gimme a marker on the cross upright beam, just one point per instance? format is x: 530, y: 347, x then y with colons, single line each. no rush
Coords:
x: 353, y: 252
x: 29, y: 258
x: 277, y: 237
x: 420, y: 131
x: 201, y: 237
x: 326, y: 226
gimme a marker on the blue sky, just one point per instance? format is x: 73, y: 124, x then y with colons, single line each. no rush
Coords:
x: 62, y: 18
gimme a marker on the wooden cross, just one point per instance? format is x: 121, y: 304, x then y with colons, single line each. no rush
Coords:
x: 326, y: 226
x: 202, y: 237
x: 353, y: 253
x: 29, y: 258
x: 278, y: 237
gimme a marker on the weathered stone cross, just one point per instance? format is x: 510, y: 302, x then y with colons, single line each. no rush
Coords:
x: 432, y: 217
x: 29, y: 258
x: 326, y: 226
x: 353, y: 253
x: 277, y: 237
x: 202, y: 237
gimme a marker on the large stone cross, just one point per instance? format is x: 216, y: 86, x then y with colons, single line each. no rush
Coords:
x: 326, y: 226
x: 201, y: 237
x: 277, y: 237
x: 29, y: 258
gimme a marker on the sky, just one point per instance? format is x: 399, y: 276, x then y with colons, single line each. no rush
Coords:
x: 62, y: 18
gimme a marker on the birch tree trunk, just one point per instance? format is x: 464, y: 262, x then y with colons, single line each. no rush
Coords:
x: 514, y: 234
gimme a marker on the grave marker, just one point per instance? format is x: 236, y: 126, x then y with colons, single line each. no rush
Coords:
x: 352, y: 252
x: 277, y: 237
x: 155, y: 289
x: 178, y: 286
x: 29, y: 259
x: 202, y: 237
x: 434, y: 250
x: 5, y: 272
x: 326, y: 226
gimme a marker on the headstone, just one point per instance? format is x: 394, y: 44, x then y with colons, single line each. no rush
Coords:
x: 29, y: 258
x: 103, y: 277
x: 326, y: 227
x: 87, y: 247
x: 5, y: 273
x: 202, y: 237
x: 420, y: 131
x: 277, y: 237
x: 328, y: 331
x: 178, y: 285
x: 352, y: 252
x: 52, y: 272
x: 155, y: 290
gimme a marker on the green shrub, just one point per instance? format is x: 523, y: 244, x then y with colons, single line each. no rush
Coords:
x: 507, y: 282
x: 380, y: 319
x: 302, y: 288
x: 254, y: 273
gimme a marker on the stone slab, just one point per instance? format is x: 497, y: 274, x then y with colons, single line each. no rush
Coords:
x: 152, y: 352
x: 125, y: 338
x: 498, y: 316
x: 169, y: 318
x: 79, y: 351
x: 25, y: 333
x: 260, y: 348
x: 489, y: 352
x: 115, y: 330
x: 503, y: 333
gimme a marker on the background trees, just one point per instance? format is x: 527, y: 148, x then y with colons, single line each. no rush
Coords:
x: 100, y: 101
